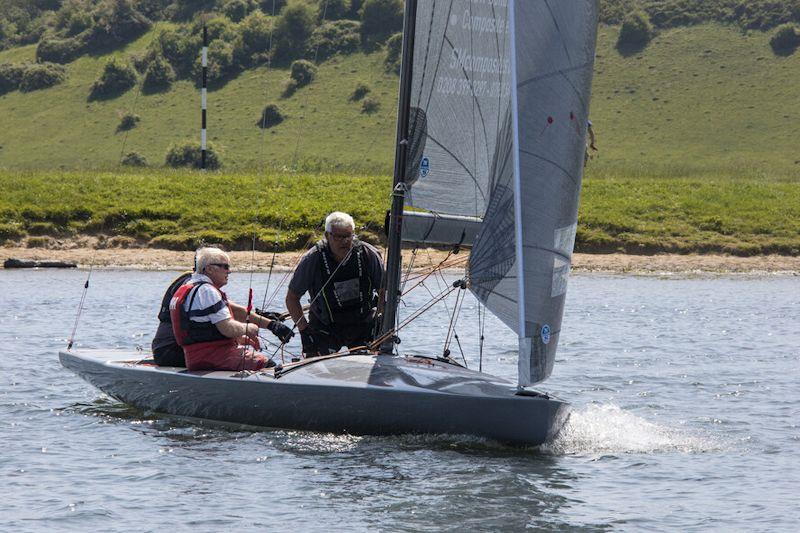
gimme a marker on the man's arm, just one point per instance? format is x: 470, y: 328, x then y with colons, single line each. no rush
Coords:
x: 240, y: 314
x: 233, y: 329
x: 296, y: 309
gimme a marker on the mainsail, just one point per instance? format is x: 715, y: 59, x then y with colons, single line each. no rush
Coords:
x: 499, y: 108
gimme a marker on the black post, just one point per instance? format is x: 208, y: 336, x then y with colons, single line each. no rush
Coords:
x: 204, y: 63
x: 394, y: 230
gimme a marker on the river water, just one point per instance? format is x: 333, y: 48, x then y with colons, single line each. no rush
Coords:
x: 685, y: 395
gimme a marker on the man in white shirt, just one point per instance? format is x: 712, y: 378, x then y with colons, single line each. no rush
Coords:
x: 217, y: 334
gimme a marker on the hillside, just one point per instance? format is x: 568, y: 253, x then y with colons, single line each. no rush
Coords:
x: 696, y: 99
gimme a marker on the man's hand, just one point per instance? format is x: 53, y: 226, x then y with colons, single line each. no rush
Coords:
x: 283, y: 332
x: 272, y: 315
x: 307, y: 337
x: 251, y: 336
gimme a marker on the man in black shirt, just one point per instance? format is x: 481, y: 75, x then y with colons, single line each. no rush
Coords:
x: 342, y: 276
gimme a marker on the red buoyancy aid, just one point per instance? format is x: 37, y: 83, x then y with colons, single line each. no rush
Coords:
x: 188, y: 332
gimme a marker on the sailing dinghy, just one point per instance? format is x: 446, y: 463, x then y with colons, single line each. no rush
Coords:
x: 492, y: 119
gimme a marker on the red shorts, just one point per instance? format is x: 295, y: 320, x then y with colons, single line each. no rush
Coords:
x: 222, y: 355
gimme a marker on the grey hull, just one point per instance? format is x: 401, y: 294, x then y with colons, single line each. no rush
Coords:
x: 356, y: 394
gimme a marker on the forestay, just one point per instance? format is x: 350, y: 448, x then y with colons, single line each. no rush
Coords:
x: 499, y: 108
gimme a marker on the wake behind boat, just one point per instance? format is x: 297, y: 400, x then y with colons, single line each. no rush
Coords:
x: 360, y: 394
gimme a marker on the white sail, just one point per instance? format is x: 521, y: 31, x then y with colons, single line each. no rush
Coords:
x: 500, y: 103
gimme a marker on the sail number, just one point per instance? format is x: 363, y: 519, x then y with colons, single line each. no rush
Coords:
x: 447, y: 85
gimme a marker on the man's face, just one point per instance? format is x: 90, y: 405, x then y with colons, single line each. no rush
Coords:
x: 218, y: 270
x: 340, y: 240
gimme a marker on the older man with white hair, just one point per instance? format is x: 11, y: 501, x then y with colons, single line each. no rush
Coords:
x: 215, y: 333
x: 342, y: 276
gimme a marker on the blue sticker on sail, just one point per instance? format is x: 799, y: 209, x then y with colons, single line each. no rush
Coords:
x: 424, y: 167
x: 546, y: 334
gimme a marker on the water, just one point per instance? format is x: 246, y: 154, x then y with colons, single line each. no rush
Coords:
x: 685, y: 417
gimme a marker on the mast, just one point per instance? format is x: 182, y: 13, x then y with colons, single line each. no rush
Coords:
x: 394, y: 258
x: 523, y: 368
x: 204, y: 64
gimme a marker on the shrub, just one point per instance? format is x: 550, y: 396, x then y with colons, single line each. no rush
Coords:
x: 270, y: 116
x: 43, y: 228
x: 59, y: 50
x: 134, y: 159
x: 359, y: 92
x: 380, y: 18
x: 292, y: 31
x: 158, y: 76
x: 187, y: 154
x: 74, y: 17
x: 116, y: 22
x: 303, y: 72
x: 255, y: 32
x: 10, y: 77
x: 355, y: 9
x: 118, y: 76
x: 341, y: 36
x: 128, y: 121
x: 394, y: 49
x: 41, y: 76
x: 10, y: 231
x: 236, y: 10
x: 217, y: 28
x: 369, y: 105
x: 220, y: 61
x: 267, y: 6
x: 333, y: 10
x: 179, y: 49
x: 785, y: 39
x: 636, y: 31
x: 40, y: 242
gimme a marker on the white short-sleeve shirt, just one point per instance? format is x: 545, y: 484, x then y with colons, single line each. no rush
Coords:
x: 208, y: 304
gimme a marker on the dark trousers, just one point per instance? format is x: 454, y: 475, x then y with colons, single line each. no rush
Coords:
x: 169, y: 355
x: 335, y: 336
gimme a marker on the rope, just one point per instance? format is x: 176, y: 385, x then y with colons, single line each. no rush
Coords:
x: 127, y: 131
x: 380, y: 340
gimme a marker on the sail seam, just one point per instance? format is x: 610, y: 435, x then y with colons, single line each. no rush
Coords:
x: 542, y: 158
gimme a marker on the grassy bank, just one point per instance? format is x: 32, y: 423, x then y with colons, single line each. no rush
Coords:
x: 702, y: 98
x: 638, y: 213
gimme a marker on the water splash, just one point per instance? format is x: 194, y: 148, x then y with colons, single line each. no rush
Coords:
x: 607, y: 429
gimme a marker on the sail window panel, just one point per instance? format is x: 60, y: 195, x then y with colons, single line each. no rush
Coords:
x: 460, y: 95
x: 432, y: 228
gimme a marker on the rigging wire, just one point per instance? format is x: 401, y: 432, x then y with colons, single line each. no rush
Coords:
x: 305, y: 95
x: 416, y: 314
x: 71, y: 339
x: 128, y: 130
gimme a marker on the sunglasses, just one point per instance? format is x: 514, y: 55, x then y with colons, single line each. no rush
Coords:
x: 342, y: 236
x: 223, y: 266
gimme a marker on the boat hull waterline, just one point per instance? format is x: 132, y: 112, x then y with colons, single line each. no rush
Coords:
x: 353, y: 394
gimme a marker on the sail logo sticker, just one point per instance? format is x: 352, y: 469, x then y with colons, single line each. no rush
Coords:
x: 424, y: 167
x: 546, y: 334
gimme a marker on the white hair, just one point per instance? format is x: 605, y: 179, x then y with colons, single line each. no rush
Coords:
x: 207, y: 255
x: 339, y: 220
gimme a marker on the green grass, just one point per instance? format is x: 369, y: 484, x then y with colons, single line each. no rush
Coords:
x: 179, y: 210
x: 698, y: 99
x: 58, y: 129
